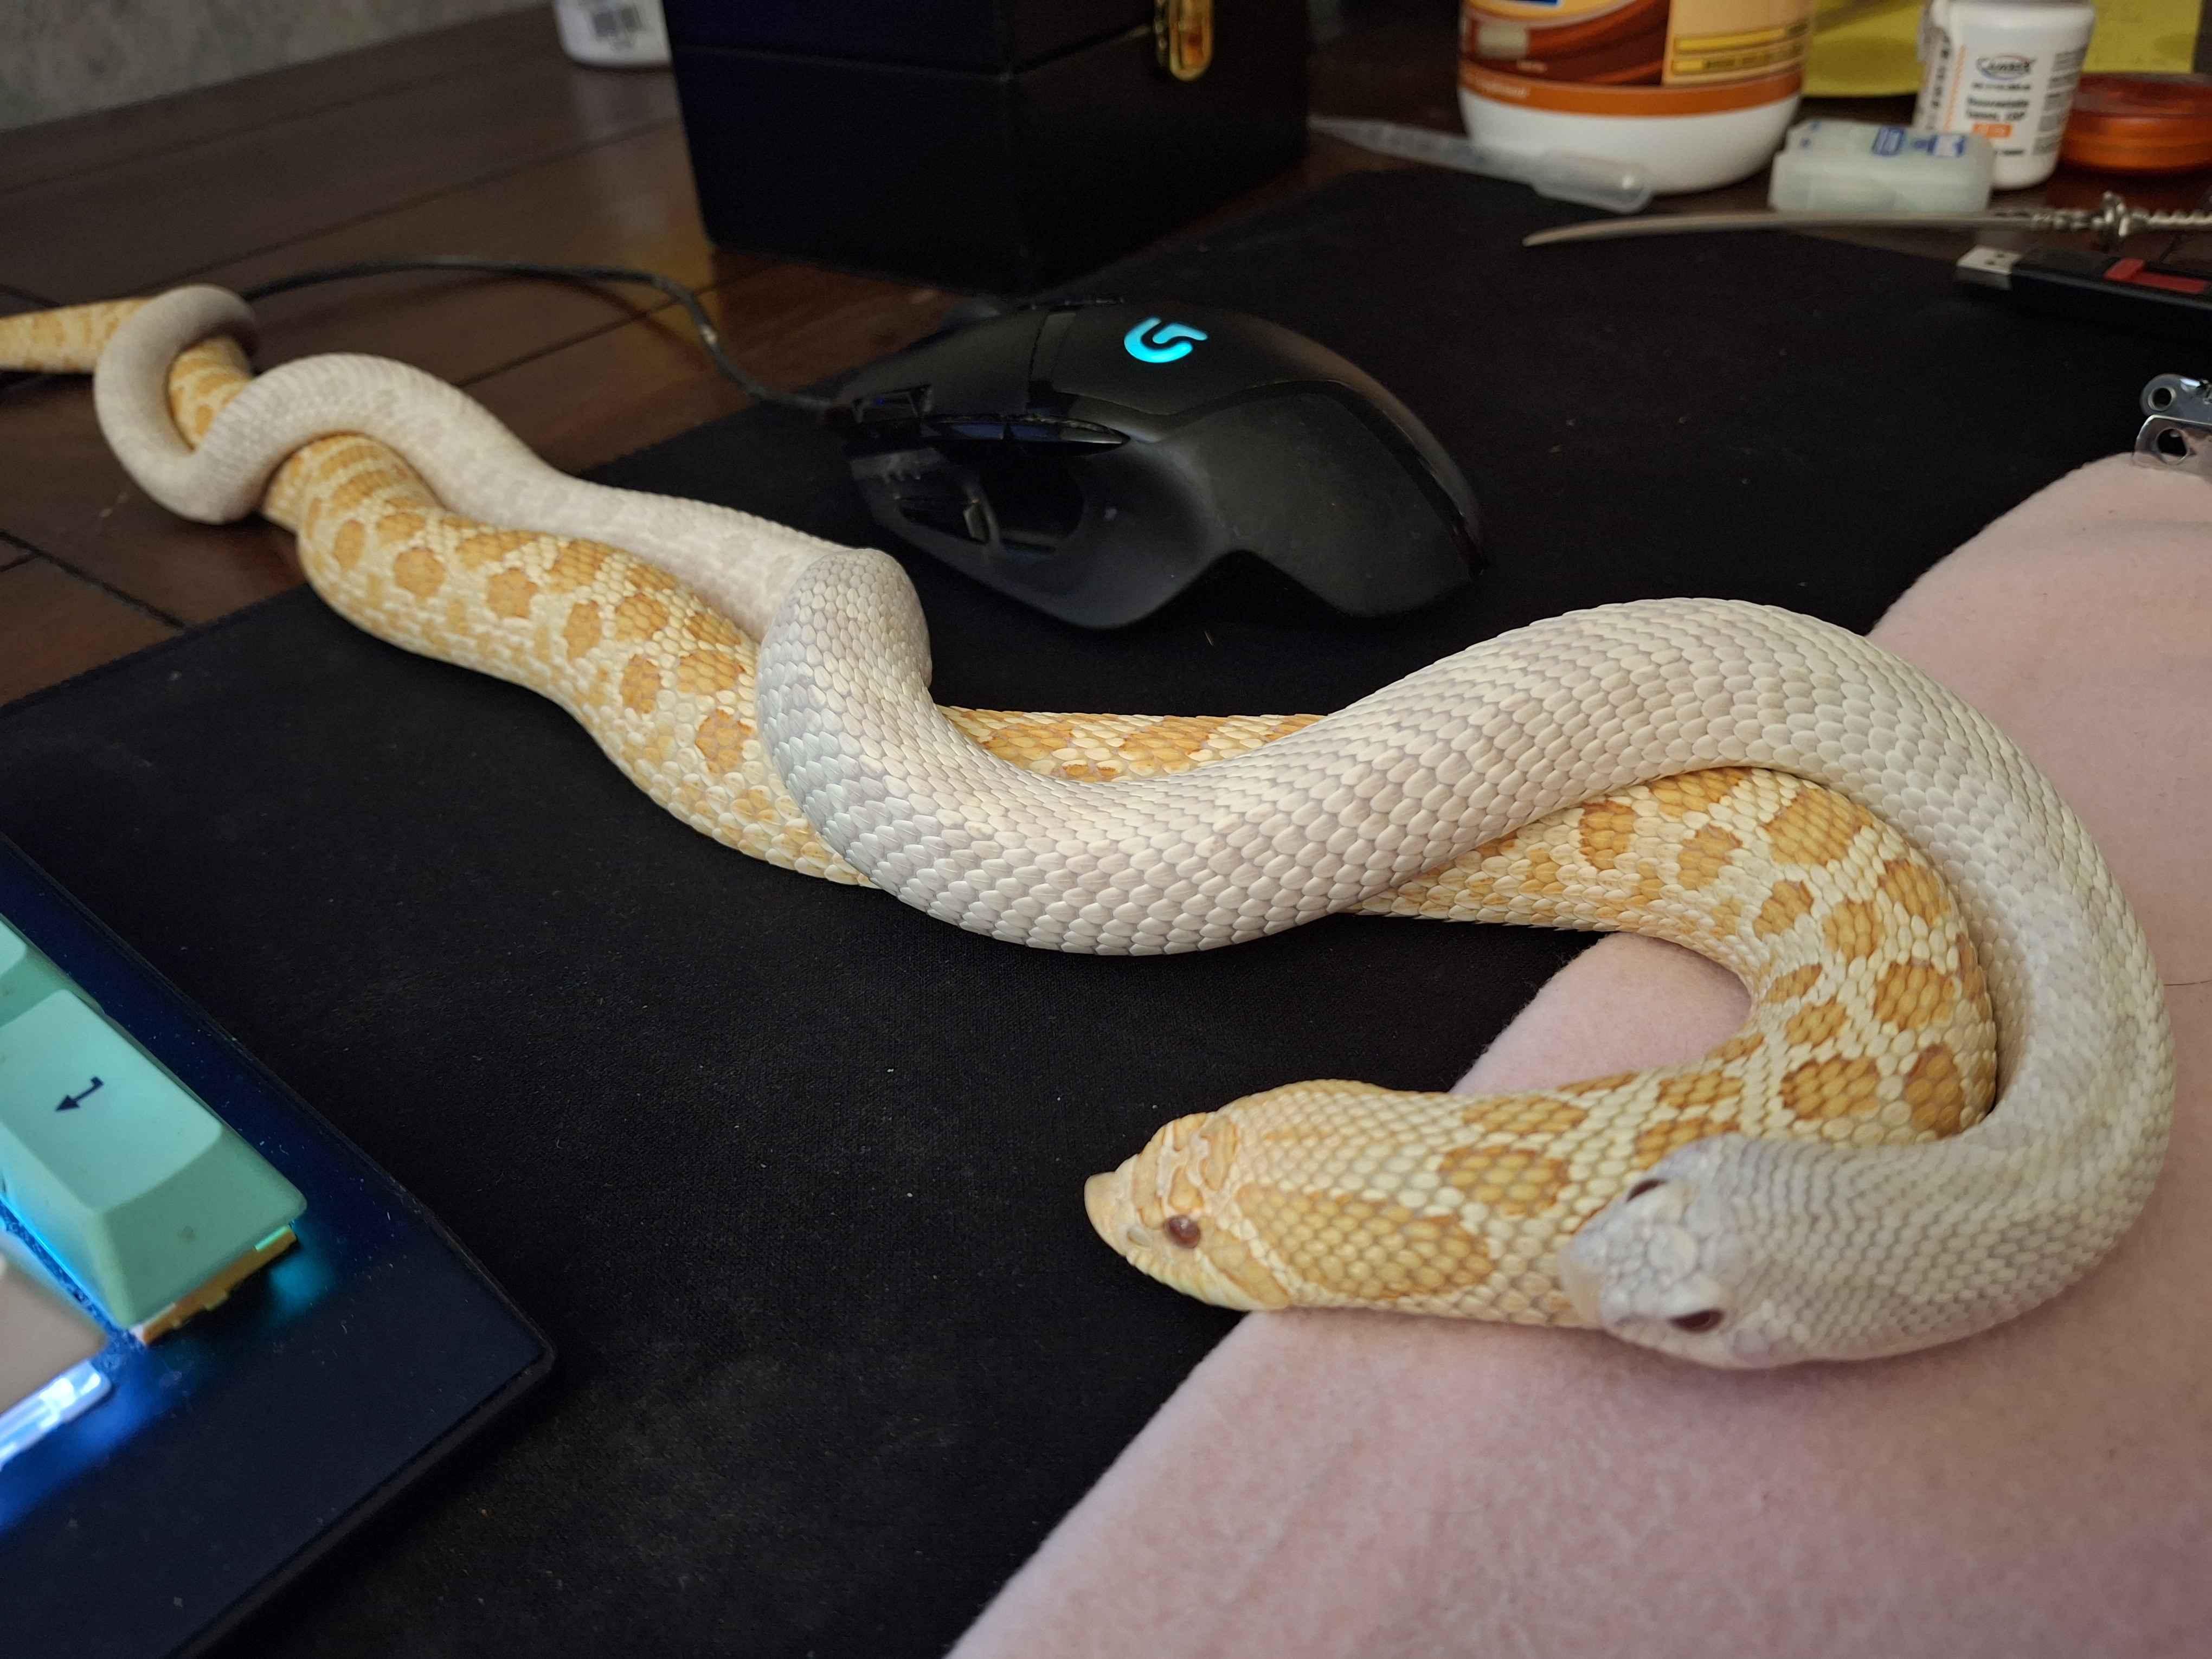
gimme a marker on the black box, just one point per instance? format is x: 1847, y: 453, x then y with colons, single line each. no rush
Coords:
x: 996, y: 144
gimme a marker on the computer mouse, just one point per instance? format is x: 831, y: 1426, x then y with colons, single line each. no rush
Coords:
x: 1093, y: 458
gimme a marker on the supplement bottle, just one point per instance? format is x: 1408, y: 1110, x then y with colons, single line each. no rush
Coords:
x: 1698, y: 93
x: 2006, y: 70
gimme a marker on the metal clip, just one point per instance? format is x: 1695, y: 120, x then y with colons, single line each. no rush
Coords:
x: 1182, y: 34
x: 2178, y: 432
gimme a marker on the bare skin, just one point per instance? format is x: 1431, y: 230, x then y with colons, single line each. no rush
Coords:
x: 1341, y: 1483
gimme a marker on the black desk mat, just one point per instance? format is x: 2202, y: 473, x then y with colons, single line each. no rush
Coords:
x: 791, y: 1174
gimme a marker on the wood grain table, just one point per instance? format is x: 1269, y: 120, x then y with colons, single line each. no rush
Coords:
x: 483, y: 139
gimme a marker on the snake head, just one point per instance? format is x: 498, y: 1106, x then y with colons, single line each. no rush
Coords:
x: 1663, y: 1265
x: 1166, y: 1211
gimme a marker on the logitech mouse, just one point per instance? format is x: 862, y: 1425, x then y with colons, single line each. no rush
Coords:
x: 1093, y: 458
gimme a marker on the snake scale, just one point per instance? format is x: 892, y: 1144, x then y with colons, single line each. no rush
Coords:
x: 1926, y: 928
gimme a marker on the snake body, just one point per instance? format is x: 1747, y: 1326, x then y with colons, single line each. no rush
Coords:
x: 1776, y: 792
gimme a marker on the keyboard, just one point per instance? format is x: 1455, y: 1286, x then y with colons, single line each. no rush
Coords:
x: 224, y: 1336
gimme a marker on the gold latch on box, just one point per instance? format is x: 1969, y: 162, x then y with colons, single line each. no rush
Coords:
x: 1183, y: 30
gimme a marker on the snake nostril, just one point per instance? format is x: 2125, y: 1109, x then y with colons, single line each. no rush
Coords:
x: 1649, y: 1184
x: 1704, y: 1319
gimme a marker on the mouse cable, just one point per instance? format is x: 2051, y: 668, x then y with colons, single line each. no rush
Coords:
x: 710, y: 336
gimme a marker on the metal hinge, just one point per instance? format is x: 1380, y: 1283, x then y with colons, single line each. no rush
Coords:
x: 1182, y: 34
x: 2178, y: 430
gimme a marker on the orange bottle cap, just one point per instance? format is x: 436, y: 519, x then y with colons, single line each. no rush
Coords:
x: 2140, y: 123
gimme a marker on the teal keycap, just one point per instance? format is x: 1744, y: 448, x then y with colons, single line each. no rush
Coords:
x: 27, y: 977
x: 139, y: 1191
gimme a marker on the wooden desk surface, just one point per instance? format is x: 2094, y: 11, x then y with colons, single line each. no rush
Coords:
x: 484, y: 139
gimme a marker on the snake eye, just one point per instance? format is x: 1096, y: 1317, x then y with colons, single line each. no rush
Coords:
x: 1184, y: 1229
x: 1649, y: 1184
x: 1704, y: 1319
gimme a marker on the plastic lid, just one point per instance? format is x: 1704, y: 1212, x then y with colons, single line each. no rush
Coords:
x: 2140, y: 123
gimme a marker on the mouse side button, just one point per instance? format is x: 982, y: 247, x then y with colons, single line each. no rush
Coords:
x: 903, y: 403
x: 980, y: 370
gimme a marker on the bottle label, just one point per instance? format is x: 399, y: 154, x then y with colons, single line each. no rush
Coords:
x: 1904, y: 141
x: 1634, y: 57
x: 2014, y: 95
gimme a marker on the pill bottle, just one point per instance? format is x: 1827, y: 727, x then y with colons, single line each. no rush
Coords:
x: 2006, y: 70
x: 1697, y: 93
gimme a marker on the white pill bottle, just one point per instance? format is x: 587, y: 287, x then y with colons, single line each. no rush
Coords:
x: 2006, y: 70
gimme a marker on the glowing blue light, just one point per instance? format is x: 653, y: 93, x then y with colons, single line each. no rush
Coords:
x: 75, y: 1391
x: 1149, y: 342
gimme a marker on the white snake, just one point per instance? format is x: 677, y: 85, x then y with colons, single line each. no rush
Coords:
x: 1732, y: 1250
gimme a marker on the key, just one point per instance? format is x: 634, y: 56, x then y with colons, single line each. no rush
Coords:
x: 147, y: 1199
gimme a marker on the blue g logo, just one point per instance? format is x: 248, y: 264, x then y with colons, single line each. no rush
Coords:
x: 1149, y: 342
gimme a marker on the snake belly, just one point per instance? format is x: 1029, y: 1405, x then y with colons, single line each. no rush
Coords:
x: 1823, y: 1186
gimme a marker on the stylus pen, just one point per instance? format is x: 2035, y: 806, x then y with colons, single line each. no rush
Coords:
x: 2101, y: 288
x: 1592, y: 181
x: 2111, y: 222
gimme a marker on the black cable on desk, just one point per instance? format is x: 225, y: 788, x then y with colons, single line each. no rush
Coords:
x: 710, y: 336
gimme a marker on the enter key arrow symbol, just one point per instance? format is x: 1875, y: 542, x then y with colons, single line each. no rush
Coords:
x: 70, y: 1103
